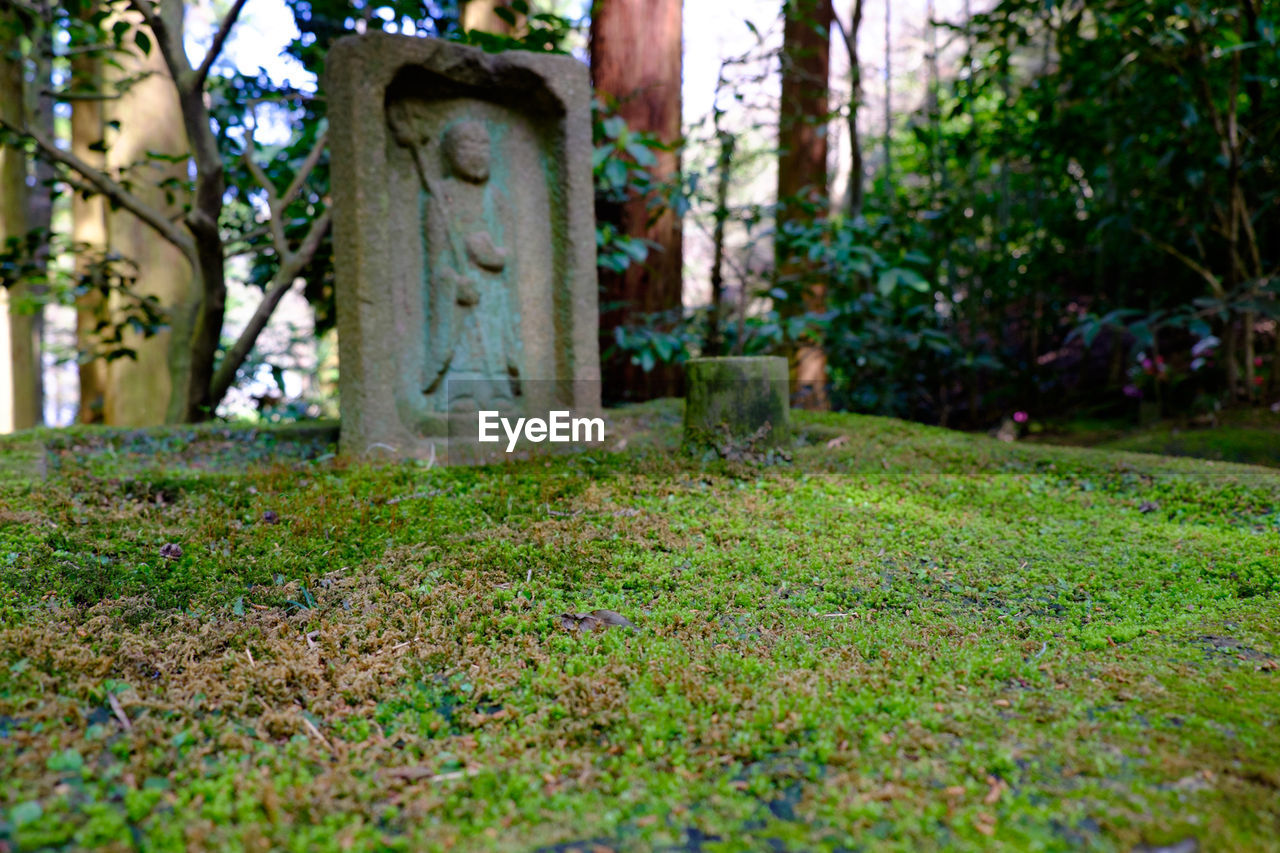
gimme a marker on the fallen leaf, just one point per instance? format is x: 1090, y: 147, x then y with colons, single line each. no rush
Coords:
x: 611, y: 618
x: 593, y: 620
x: 1186, y: 845
x: 1002, y: 703
x: 838, y: 441
x: 578, y: 621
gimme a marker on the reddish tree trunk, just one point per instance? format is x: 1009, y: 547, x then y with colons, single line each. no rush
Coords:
x: 635, y: 59
x: 802, y: 175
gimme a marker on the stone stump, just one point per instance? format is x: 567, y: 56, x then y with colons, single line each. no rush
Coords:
x: 739, y: 401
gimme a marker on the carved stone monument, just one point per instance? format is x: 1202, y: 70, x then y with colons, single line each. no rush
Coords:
x: 464, y: 238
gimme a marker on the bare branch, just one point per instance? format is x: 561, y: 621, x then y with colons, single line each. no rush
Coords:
x: 79, y: 96
x: 848, y: 34
x: 219, y: 39
x: 28, y: 7
x: 274, y: 220
x: 81, y: 49
x: 313, y: 157
x: 291, y: 264
x: 175, y: 56
x: 110, y: 188
x: 276, y: 204
x: 1215, y: 284
x: 243, y: 244
x: 311, y: 243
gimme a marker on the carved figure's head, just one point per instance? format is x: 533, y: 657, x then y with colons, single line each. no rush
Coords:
x: 466, y: 150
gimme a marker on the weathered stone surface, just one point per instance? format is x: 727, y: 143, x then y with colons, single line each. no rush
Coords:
x: 741, y: 399
x: 464, y: 237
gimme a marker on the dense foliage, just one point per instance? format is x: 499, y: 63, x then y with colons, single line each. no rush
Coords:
x: 1097, y: 195
x: 1082, y: 217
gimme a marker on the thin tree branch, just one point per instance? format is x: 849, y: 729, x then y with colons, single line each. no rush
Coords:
x: 25, y: 6
x: 79, y: 96
x: 245, y: 242
x: 1215, y: 284
x: 104, y: 184
x: 273, y: 201
x: 219, y: 38
x: 175, y: 56
x: 313, y: 157
x: 291, y: 264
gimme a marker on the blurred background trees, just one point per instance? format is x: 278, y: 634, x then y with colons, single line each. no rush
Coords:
x: 1040, y: 209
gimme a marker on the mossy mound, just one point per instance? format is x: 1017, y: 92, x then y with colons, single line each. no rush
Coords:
x: 902, y: 639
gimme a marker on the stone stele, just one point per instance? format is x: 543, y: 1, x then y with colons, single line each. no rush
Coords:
x: 464, y: 238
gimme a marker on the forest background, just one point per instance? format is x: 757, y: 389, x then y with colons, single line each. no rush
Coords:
x: 964, y: 213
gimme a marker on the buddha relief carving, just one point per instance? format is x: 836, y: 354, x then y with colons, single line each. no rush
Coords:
x: 473, y: 353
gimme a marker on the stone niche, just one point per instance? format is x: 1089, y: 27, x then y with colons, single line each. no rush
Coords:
x: 464, y: 238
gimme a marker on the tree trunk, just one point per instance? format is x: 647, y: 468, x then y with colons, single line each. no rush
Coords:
x: 19, y: 343
x: 89, y: 232
x: 856, y: 192
x: 154, y: 388
x: 888, y: 104
x: 724, y: 170
x: 802, y: 176
x: 40, y: 196
x: 636, y: 59
x: 483, y: 15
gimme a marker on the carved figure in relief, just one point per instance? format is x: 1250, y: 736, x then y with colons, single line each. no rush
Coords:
x: 471, y: 323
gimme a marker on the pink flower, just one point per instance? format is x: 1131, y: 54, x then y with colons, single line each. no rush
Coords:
x: 1020, y: 417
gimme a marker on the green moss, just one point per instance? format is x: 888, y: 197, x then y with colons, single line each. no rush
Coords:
x: 905, y: 639
x: 1246, y: 436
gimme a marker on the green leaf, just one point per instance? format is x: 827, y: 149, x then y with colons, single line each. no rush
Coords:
x: 614, y: 126
x: 664, y: 347
x: 66, y: 761
x: 143, y: 41
x: 886, y: 282
x: 615, y: 173
x: 25, y: 813
x: 642, y: 155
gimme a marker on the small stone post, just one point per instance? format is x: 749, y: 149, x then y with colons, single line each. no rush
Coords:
x: 739, y: 400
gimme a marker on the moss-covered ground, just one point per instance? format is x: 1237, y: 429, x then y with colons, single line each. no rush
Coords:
x: 1250, y: 436
x: 902, y: 639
